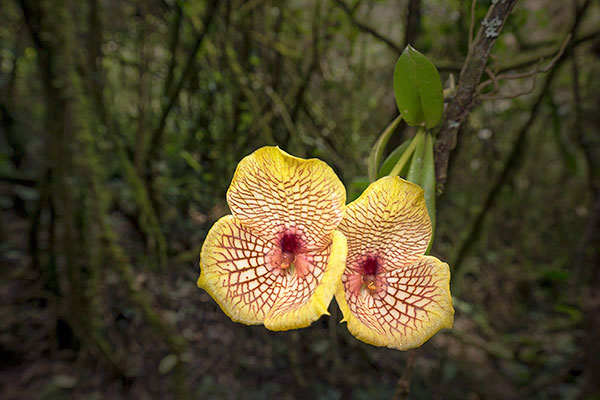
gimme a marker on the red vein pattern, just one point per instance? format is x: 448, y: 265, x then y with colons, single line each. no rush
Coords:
x: 277, y: 259
x: 233, y: 261
x: 389, y: 223
x: 238, y: 273
x: 272, y: 191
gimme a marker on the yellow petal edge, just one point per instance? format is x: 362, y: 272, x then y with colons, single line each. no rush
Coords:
x: 439, y: 317
x: 209, y: 279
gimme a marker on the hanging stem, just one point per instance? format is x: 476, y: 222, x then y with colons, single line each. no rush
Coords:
x: 406, y: 156
x: 377, y: 151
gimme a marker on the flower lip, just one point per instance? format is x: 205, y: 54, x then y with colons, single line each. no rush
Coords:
x: 291, y: 245
x: 370, y: 281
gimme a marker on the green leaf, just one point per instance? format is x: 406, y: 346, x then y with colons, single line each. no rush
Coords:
x: 418, y: 89
x: 392, y: 159
x: 377, y: 150
x: 429, y: 184
x: 422, y: 172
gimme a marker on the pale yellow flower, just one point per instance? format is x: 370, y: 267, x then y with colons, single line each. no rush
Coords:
x: 278, y: 258
x: 391, y: 294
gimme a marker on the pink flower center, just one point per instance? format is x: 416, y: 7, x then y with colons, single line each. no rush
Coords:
x: 289, y: 247
x: 370, y: 265
x: 369, y: 269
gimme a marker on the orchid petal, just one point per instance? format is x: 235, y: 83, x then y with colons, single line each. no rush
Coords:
x: 272, y: 191
x: 238, y: 270
x: 416, y: 304
x: 390, y: 294
x: 390, y: 218
x: 233, y: 270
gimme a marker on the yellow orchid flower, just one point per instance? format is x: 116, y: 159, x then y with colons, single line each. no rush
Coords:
x: 390, y: 293
x: 277, y: 259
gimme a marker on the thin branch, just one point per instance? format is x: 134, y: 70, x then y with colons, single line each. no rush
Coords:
x: 534, y: 57
x: 282, y: 109
x: 538, y: 69
x: 313, y: 66
x: 495, y: 96
x: 513, y: 157
x: 173, y: 44
x: 413, y: 21
x: 472, y: 24
x: 404, y: 382
x: 525, y: 60
x: 465, y: 99
x: 368, y: 29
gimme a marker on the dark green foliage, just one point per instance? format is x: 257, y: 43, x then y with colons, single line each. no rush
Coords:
x: 121, y: 123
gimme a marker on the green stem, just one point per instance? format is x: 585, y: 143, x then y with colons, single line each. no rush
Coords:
x: 406, y: 156
x: 377, y: 151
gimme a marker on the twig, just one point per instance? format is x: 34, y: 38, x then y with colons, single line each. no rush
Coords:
x: 549, y: 380
x: 493, y: 79
x: 413, y: 21
x: 509, y: 165
x: 282, y: 109
x: 21, y: 180
x: 313, y: 66
x: 173, y: 44
x: 368, y: 29
x: 534, y: 57
x: 465, y: 99
x: 472, y: 24
x: 495, y: 96
x: 403, y: 384
x: 538, y: 69
x: 547, y: 68
x: 524, y: 61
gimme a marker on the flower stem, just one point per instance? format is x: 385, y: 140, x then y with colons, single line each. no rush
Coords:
x: 406, y: 156
x: 375, y: 156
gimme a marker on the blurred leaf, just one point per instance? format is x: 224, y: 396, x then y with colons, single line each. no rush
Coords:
x: 191, y: 161
x: 418, y: 89
x: 556, y: 275
x: 167, y: 364
x: 64, y: 381
x: 27, y: 193
x: 574, y: 313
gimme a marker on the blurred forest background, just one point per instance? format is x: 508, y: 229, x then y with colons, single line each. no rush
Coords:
x: 121, y: 123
